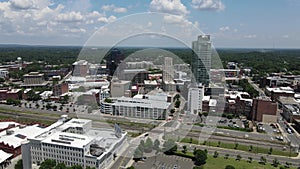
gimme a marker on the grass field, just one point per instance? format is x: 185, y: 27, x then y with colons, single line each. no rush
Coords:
x: 221, y: 162
x: 242, y: 147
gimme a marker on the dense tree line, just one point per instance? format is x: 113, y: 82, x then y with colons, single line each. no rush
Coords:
x: 261, y: 61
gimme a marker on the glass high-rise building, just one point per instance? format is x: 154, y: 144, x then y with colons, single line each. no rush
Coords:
x: 201, y: 60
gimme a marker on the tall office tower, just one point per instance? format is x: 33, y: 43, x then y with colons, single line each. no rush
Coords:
x: 201, y: 60
x: 168, y: 70
x: 195, y: 97
x: 113, y: 59
x: 168, y: 74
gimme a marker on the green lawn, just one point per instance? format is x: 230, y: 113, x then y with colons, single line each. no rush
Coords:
x: 242, y: 147
x: 220, y: 163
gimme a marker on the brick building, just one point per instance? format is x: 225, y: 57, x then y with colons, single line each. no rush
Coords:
x: 264, y: 110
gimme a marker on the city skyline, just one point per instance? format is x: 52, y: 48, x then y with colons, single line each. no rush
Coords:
x: 231, y: 24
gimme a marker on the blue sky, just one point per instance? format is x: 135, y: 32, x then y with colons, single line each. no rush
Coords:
x: 231, y: 23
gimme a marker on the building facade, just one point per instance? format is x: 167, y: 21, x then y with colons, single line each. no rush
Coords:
x: 75, y: 142
x: 33, y: 78
x: 195, y: 97
x: 60, y: 89
x: 201, y: 61
x: 264, y: 111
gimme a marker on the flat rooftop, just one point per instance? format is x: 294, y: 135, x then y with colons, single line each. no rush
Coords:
x: 4, y: 156
x: 19, y: 134
x: 68, y: 139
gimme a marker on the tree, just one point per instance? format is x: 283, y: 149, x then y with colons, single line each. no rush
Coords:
x: 219, y: 143
x: 275, y: 162
x: 177, y: 97
x: 14, y: 102
x: 138, y: 154
x: 60, y: 166
x: 169, y: 146
x: 249, y: 159
x: 287, y: 165
x: 148, y: 145
x: 48, y: 106
x: 156, y: 144
x: 263, y: 160
x: 226, y: 156
x: 76, y: 167
x: 200, y: 157
x: 177, y: 103
x: 131, y: 167
x: 216, y: 154
x: 205, y: 114
x: 184, y: 149
x: 48, y: 164
x: 54, y: 107
x: 238, y: 157
x: 61, y: 108
x: 270, y: 150
x: 198, y: 167
x: 236, y: 145
x: 250, y: 148
x: 172, y: 111
x: 32, y: 96
x: 229, y: 167
x: 19, y: 165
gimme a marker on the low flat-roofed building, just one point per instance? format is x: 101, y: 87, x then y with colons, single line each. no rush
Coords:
x: 11, y: 138
x: 290, y: 108
x: 76, y: 142
x: 277, y: 92
x: 34, y: 78
x: 4, y: 73
x: 11, y: 94
x: 4, y: 159
x: 140, y: 108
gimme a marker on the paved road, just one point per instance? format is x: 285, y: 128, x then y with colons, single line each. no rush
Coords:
x: 292, y: 138
x: 261, y: 92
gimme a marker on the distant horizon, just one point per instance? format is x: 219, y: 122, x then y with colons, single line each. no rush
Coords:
x: 79, y: 46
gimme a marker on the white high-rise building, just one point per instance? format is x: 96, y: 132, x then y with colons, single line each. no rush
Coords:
x: 195, y: 97
x: 168, y: 70
x: 168, y: 74
x: 201, y: 62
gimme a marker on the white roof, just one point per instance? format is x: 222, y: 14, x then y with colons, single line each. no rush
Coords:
x: 212, y: 102
x: 6, y: 124
x: 150, y: 82
x: 137, y: 102
x: 92, y: 91
x: 4, y: 156
x: 206, y: 98
x: 280, y: 90
x: 68, y: 139
x: 19, y: 135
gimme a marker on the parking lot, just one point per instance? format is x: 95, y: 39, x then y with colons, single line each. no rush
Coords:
x: 162, y: 161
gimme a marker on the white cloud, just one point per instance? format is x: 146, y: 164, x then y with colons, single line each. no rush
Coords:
x: 107, y: 20
x: 250, y: 36
x: 285, y: 36
x: 216, y: 5
x: 70, y: 17
x: 224, y: 28
x: 169, y: 6
x: 21, y: 4
x: 176, y: 19
x: 114, y: 8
